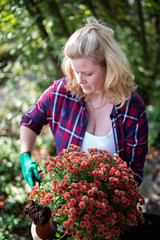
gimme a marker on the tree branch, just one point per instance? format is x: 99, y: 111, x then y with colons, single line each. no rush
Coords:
x: 34, y: 11
x: 54, y: 9
x: 143, y: 34
x: 157, y: 29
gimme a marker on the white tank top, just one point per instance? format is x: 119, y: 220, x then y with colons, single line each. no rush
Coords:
x: 104, y: 143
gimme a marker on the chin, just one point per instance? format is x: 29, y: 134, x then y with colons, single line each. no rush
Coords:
x: 87, y: 90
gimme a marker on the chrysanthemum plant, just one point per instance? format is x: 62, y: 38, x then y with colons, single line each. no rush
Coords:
x: 93, y: 196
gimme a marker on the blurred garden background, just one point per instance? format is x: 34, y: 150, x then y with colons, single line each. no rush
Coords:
x: 32, y: 34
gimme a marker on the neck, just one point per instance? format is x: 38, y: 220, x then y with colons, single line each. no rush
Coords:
x: 98, y: 97
x: 97, y: 104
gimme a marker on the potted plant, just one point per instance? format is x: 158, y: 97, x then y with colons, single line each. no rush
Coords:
x: 90, y: 196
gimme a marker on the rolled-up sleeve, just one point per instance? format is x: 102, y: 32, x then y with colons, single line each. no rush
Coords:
x: 137, y: 147
x: 130, y: 127
x: 36, y: 117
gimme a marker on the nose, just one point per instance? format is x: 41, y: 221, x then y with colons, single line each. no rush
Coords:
x: 80, y: 78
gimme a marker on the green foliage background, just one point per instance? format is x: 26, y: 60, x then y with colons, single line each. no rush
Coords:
x: 32, y: 34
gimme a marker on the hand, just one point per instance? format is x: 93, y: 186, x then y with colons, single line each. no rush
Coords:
x: 29, y: 169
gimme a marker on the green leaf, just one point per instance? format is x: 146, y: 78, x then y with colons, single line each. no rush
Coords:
x: 60, y: 228
x: 57, y: 235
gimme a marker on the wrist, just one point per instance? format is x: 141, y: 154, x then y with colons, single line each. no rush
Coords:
x: 25, y: 156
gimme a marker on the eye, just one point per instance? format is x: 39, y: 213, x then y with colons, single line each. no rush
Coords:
x: 87, y: 74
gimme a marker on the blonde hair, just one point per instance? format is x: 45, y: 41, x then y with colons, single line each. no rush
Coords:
x: 97, y: 41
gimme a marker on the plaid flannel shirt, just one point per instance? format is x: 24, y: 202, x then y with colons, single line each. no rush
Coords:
x: 68, y: 118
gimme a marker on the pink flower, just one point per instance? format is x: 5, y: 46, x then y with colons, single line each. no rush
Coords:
x: 73, y: 201
x: 97, y: 183
x: 95, y: 172
x: 104, y: 178
x: 112, y: 172
x: 83, y: 188
x: 89, y: 209
x: 67, y: 196
x: 65, y: 211
x: 89, y: 238
x: 60, y: 211
x: 123, y: 200
x: 94, y: 189
x: 97, y: 204
x: 46, y: 163
x: 86, y: 217
x: 42, y: 201
x: 72, y: 210
x: 82, y: 205
x: 82, y: 224
x: 103, y: 205
x: 79, y: 198
x: 92, y: 201
x: 48, y: 195
x: 116, y: 199
x: 90, y: 192
x: 108, y: 235
x: 98, y: 213
x: 42, y: 193
x: 75, y: 161
x: 89, y: 229
x: 85, y: 198
x: 60, y: 192
x: 100, y: 193
x: 73, y: 191
x: 41, y: 174
x: 69, y: 231
x: 78, y: 211
x: 54, y: 182
x: 82, y: 168
x: 79, y: 235
x: 74, y: 234
x: 101, y: 233
x: 117, y: 173
x: 78, y: 193
x: 88, y: 223
x: 34, y: 192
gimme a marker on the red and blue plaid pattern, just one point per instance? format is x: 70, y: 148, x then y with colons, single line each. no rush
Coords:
x: 68, y: 118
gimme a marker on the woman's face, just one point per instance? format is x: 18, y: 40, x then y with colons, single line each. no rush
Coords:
x: 89, y: 76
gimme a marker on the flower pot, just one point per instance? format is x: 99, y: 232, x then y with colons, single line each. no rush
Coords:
x: 45, y: 232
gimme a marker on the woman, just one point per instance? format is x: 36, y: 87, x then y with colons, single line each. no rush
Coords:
x: 95, y: 105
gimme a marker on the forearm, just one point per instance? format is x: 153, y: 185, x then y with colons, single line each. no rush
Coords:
x: 27, y: 139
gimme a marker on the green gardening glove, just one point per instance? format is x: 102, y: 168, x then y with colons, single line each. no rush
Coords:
x: 29, y: 169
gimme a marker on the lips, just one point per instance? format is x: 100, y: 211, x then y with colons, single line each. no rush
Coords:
x: 85, y: 87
